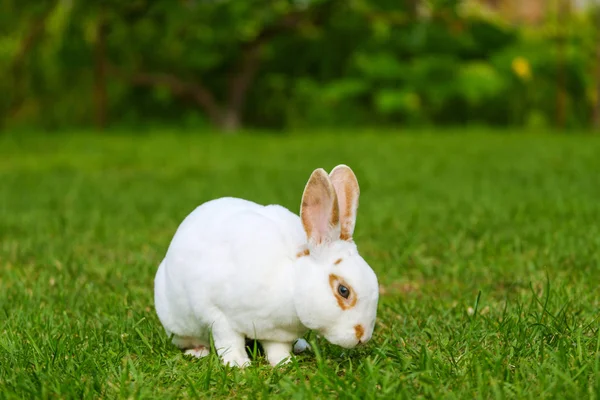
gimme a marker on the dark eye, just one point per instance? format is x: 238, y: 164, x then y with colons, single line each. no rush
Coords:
x: 343, y: 291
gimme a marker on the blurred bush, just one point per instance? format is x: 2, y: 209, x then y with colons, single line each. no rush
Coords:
x: 292, y: 63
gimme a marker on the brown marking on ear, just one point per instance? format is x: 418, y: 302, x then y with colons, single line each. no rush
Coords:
x: 339, y: 260
x: 303, y: 253
x: 345, y: 304
x: 346, y: 187
x: 346, y: 231
x: 349, y: 192
x: 359, y: 331
x: 335, y: 213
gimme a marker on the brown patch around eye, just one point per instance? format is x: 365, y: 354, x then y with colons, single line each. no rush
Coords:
x: 339, y: 260
x: 359, y: 331
x: 303, y: 253
x: 345, y: 304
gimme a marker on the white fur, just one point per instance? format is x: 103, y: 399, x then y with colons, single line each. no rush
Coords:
x: 232, y: 271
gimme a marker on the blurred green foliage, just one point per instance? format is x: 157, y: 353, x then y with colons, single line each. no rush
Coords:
x: 291, y: 63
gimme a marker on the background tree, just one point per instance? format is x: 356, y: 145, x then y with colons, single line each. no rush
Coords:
x: 290, y: 63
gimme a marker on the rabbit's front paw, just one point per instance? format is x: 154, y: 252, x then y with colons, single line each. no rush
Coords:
x: 197, y: 352
x: 235, y: 360
x: 277, y: 352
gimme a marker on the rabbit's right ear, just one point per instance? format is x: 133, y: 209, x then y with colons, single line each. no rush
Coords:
x: 346, y: 187
x: 320, y: 212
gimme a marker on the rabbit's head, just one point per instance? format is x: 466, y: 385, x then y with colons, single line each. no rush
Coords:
x: 336, y: 291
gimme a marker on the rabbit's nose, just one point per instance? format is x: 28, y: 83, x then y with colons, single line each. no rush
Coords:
x: 359, y: 332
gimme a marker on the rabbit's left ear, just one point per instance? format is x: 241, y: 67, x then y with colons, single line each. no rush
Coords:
x: 346, y: 187
x: 319, y: 212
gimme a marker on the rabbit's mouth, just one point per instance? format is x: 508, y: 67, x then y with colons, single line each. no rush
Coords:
x: 344, y: 341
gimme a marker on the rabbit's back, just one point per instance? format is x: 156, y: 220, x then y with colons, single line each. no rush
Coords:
x: 240, y: 224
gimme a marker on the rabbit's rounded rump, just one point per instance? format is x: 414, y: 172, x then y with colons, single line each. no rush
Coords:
x: 236, y: 269
x: 229, y: 260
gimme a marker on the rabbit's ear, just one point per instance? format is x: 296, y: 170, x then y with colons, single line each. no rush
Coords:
x: 346, y: 187
x: 320, y: 211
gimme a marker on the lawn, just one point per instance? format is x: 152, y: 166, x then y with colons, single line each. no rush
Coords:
x: 486, y: 245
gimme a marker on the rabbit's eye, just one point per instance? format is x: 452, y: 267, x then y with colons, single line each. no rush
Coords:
x: 343, y: 291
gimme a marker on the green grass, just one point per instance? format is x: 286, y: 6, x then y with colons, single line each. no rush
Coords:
x: 487, y: 247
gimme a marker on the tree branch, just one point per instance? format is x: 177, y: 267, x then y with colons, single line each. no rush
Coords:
x: 36, y: 29
x: 178, y: 87
x: 240, y: 81
x: 100, y: 61
x: 228, y: 116
x: 249, y: 64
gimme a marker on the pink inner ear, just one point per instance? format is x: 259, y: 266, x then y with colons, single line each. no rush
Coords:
x: 342, y: 200
x: 320, y: 211
x: 320, y: 224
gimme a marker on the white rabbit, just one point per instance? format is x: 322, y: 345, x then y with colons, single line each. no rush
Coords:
x: 238, y: 270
